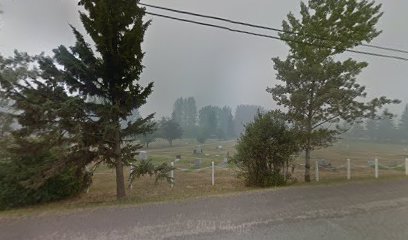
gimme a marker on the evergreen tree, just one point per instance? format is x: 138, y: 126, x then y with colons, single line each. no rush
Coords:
x: 170, y: 130
x: 403, y: 125
x: 317, y: 89
x: 49, y: 152
x: 6, y: 119
x: 111, y: 74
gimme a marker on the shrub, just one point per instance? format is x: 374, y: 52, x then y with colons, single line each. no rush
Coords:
x: 18, y: 182
x: 265, y: 147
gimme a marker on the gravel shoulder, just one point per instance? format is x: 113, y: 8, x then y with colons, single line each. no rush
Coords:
x: 354, y: 210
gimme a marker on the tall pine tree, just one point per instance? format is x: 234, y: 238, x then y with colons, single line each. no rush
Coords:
x: 111, y: 75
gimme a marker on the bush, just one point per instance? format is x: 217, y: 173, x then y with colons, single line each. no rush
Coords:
x: 265, y: 147
x: 16, y: 176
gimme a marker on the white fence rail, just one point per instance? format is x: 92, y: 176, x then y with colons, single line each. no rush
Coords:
x: 375, y: 165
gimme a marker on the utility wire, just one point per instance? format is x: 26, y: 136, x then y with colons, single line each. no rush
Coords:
x: 262, y: 27
x: 273, y: 37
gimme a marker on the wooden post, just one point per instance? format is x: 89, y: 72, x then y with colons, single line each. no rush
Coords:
x: 212, y: 173
x: 317, y: 171
x: 376, y: 167
x: 348, y: 169
x: 172, y: 175
x: 406, y: 166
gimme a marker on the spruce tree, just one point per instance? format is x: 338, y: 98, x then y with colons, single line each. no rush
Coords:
x: 46, y: 156
x: 106, y: 74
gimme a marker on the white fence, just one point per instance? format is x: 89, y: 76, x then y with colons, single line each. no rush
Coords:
x: 374, y: 164
x: 213, y: 168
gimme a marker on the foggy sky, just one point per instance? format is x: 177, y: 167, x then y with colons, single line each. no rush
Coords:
x: 214, y: 66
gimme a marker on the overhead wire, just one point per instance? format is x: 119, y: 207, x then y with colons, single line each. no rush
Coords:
x: 262, y: 27
x: 272, y: 37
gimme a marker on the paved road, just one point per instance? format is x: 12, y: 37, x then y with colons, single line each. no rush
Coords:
x: 364, y: 210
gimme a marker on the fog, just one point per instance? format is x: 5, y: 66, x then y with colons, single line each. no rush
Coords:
x: 216, y: 67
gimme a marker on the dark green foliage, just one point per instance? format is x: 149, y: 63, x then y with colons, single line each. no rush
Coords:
x: 47, y: 151
x: 142, y: 168
x: 264, y: 149
x: 147, y: 138
x: 217, y: 121
x: 170, y: 130
x: 110, y: 75
x: 17, y: 189
x: 318, y: 90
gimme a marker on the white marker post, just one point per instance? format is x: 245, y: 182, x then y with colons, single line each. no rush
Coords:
x: 212, y: 173
x: 376, y: 167
x: 172, y: 175
x: 317, y: 170
x: 348, y: 169
x: 406, y: 166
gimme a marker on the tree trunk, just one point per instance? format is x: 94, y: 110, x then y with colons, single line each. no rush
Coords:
x: 120, y: 178
x: 171, y: 143
x: 307, y: 165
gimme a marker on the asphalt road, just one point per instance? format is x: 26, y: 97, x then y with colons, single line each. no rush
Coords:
x: 363, y: 210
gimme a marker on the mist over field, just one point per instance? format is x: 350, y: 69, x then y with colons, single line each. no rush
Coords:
x: 214, y: 66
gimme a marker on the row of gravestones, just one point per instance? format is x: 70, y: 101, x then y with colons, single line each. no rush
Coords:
x: 143, y: 156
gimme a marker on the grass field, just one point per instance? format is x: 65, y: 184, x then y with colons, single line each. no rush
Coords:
x: 197, y: 183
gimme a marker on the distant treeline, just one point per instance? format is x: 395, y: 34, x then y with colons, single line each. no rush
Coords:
x: 218, y: 122
x: 209, y: 122
x: 384, y: 129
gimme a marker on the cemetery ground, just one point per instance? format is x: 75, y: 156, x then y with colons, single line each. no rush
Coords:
x: 191, y: 182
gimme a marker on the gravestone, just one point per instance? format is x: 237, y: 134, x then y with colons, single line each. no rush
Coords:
x: 225, y: 161
x: 198, y: 150
x: 143, y: 156
x: 178, y: 158
x: 197, y: 163
x: 324, y: 164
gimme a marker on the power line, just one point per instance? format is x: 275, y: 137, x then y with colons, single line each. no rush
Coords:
x: 262, y: 27
x: 272, y: 37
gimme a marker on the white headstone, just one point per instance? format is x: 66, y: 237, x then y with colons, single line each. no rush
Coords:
x: 143, y: 156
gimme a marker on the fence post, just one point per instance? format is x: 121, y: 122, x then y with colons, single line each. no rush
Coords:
x: 212, y: 173
x: 376, y: 167
x: 317, y: 171
x: 348, y: 169
x: 406, y: 166
x: 172, y: 175
x: 284, y: 172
